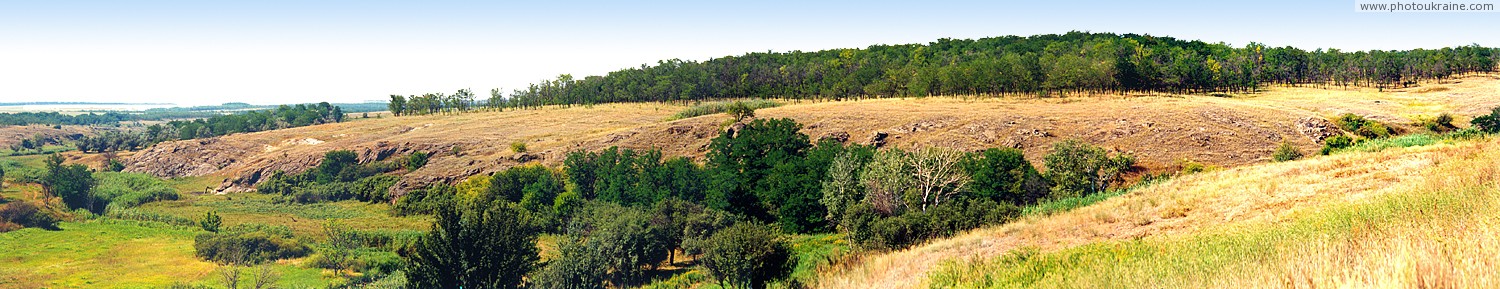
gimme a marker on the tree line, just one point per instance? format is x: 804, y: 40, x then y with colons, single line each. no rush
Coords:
x: 284, y: 116
x: 1075, y: 62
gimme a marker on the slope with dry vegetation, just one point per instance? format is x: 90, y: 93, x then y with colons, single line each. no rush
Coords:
x: 1209, y: 130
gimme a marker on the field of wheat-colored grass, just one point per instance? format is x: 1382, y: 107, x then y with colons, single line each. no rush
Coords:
x: 1402, y: 217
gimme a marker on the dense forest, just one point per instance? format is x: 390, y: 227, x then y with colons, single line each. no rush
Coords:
x: 1076, y: 62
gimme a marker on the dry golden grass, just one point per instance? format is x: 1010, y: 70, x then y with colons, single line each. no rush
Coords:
x: 1215, y: 131
x: 1422, y: 215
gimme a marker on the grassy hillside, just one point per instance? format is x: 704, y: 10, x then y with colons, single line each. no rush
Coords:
x: 1399, y: 217
x: 1218, y: 131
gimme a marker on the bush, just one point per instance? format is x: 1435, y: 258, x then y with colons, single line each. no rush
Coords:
x: 1004, y: 175
x: 1077, y: 168
x: 416, y: 160
x: 518, y: 146
x: 211, y: 222
x: 1361, y: 126
x: 746, y: 255
x: 1335, y: 143
x: 1349, y: 122
x: 1286, y: 152
x: 1488, y: 123
x: 708, y: 108
x: 148, y: 216
x: 739, y: 110
x: 1442, y: 123
x: 25, y: 214
x: 249, y: 244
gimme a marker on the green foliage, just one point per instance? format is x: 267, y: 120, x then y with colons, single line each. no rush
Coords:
x: 416, y: 160
x: 211, y: 222
x: 25, y: 214
x: 841, y: 186
x: 534, y: 187
x: 425, y: 200
x: 886, y: 178
x: 1004, y: 175
x: 518, y: 146
x: 1489, y: 123
x: 870, y: 231
x: 624, y: 240
x: 1074, y: 62
x: 1077, y: 168
x: 138, y: 214
x: 739, y: 111
x: 1335, y: 143
x: 746, y: 255
x: 249, y: 244
x: 745, y: 108
x: 114, y: 166
x: 1442, y: 123
x: 481, y: 245
x: 73, y: 183
x: 1409, y: 140
x: 1363, y: 127
x: 1286, y: 152
x: 630, y: 177
x: 127, y: 190
x: 740, y: 161
x: 338, y: 177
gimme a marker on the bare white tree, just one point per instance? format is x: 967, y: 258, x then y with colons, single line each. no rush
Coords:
x: 937, y: 175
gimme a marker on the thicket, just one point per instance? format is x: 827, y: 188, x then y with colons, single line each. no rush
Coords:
x: 249, y: 244
x: 339, y: 176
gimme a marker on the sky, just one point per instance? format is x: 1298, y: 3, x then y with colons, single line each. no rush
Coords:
x: 274, y: 52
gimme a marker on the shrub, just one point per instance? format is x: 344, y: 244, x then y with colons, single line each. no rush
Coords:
x: 211, y: 222
x: 249, y: 244
x: 739, y: 110
x: 1442, y: 123
x: 708, y: 108
x: 1004, y: 175
x: 1374, y: 130
x: 26, y: 214
x: 1335, y: 143
x: 1489, y: 123
x: 518, y: 146
x: 1286, y: 152
x: 148, y: 216
x: 128, y: 190
x: 1350, y: 122
x: 114, y: 166
x: 416, y: 160
x: 746, y: 255
x: 1077, y: 168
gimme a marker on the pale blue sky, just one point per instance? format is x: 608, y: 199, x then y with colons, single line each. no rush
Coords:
x: 209, y: 52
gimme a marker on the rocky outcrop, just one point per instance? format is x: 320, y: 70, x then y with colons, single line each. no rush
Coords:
x: 1316, y: 129
x: 188, y: 158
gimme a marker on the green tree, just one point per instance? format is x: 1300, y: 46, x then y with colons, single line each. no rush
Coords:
x: 1004, y: 175
x: 1077, y: 168
x: 739, y: 160
x: 338, y: 246
x: 739, y: 110
x: 211, y: 222
x: 482, y: 245
x: 746, y: 255
x: 886, y: 179
x: 841, y: 187
x: 73, y: 183
x: 397, y: 106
